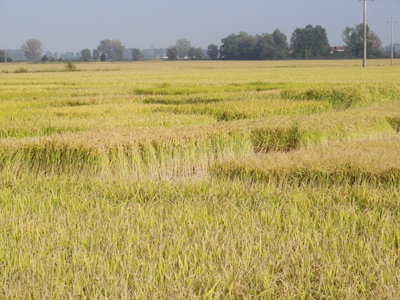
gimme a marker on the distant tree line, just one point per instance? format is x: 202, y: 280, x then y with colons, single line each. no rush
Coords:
x: 244, y: 46
x: 183, y: 49
x: 306, y: 43
x: 310, y: 42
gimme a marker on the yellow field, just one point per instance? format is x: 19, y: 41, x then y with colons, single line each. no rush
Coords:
x: 210, y: 180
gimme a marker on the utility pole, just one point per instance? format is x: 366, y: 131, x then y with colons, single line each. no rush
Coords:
x: 365, y: 33
x: 391, y: 47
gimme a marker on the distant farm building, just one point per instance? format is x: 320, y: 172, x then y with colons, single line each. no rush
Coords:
x: 336, y: 49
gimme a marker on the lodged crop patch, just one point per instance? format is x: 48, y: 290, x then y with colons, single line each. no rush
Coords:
x: 373, y: 161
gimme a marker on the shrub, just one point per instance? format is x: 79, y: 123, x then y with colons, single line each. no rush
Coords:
x: 70, y: 66
x: 44, y: 58
x: 21, y: 70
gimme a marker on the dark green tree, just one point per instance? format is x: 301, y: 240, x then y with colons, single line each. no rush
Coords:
x: 199, y: 53
x: 44, y: 58
x: 247, y: 47
x: 191, y: 53
x: 196, y: 53
x: 114, y: 49
x: 228, y: 49
x: 265, y: 46
x: 136, y: 55
x: 353, y: 37
x: 32, y: 49
x: 281, y: 45
x: 172, y: 53
x: 103, y: 57
x: 182, y: 47
x: 240, y: 46
x: 86, y: 55
x: 243, y: 46
x: 2, y: 56
x: 310, y: 42
x: 96, y: 55
x: 212, y: 51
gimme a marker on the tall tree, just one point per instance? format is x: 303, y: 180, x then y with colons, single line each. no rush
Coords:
x: 172, y: 52
x: 3, y: 56
x: 182, y: 47
x: 44, y: 58
x: 192, y: 53
x: 196, y: 53
x: 136, y: 55
x: 265, y: 46
x: 310, y: 42
x: 228, y: 49
x: 281, y: 45
x: 86, y: 55
x: 113, y: 49
x: 32, y: 49
x: 247, y: 47
x: 212, y: 51
x: 96, y: 54
x: 353, y: 37
x: 199, y: 53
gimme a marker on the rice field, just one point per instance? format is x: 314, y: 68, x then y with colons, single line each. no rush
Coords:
x: 200, y: 180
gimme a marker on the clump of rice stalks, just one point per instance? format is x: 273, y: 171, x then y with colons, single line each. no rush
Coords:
x: 21, y: 70
x: 394, y: 122
x: 275, y: 139
x: 71, y: 67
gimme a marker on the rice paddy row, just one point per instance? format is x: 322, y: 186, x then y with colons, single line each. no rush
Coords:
x: 189, y: 149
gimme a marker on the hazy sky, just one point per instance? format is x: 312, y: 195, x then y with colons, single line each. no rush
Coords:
x: 72, y: 25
